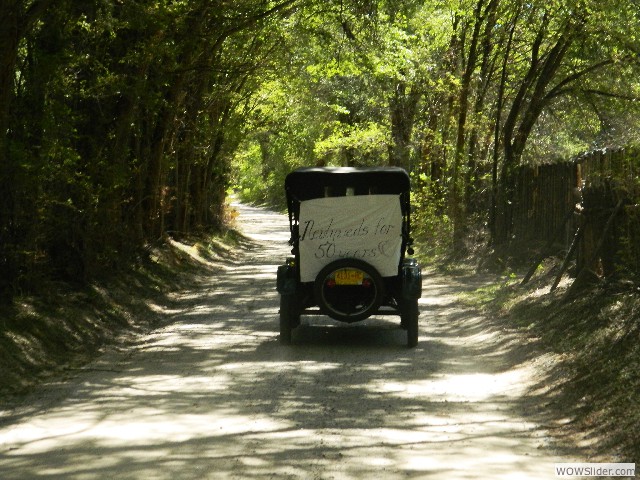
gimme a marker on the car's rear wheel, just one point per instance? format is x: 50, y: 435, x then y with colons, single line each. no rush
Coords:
x: 409, y: 320
x: 289, y: 317
x: 349, y: 290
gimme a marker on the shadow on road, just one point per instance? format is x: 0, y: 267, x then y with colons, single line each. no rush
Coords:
x: 212, y: 394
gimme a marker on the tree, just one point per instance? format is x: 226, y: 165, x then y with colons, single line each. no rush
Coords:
x: 567, y: 49
x: 18, y: 19
x: 117, y: 122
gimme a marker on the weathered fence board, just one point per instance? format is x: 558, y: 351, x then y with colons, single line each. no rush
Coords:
x: 592, y: 184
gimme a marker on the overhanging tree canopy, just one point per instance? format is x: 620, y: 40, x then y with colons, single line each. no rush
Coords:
x: 119, y: 120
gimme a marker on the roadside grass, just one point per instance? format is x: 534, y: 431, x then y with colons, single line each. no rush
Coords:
x: 595, y: 336
x: 63, y: 327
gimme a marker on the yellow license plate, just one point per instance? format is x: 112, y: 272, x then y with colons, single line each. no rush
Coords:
x: 349, y: 276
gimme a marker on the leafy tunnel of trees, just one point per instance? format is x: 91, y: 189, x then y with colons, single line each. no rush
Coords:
x: 124, y: 121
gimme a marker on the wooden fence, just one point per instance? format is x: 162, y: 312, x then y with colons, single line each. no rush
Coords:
x: 587, y: 208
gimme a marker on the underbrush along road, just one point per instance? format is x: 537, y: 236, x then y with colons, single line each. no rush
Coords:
x: 213, y: 394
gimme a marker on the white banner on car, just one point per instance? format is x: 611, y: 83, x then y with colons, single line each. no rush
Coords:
x: 366, y: 227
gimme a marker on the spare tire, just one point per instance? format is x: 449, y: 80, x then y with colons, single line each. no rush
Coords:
x: 349, y: 290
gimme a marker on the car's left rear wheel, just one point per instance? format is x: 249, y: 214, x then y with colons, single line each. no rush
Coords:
x: 289, y: 317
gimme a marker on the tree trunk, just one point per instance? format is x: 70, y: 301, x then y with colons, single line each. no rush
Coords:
x: 403, y: 107
x: 15, y: 22
x: 456, y: 206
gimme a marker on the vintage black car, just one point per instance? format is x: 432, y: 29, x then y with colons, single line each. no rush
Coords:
x: 350, y: 237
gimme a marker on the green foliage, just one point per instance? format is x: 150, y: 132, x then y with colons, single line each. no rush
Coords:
x: 129, y: 120
x: 370, y: 141
x: 121, y: 120
x: 432, y: 226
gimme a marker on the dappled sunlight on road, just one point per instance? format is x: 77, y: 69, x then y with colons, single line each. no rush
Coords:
x: 212, y: 394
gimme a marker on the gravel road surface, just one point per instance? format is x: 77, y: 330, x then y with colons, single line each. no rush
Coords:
x: 212, y: 393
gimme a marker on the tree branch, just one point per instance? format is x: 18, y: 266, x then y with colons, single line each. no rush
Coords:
x: 33, y: 13
x: 559, y: 88
x: 251, y: 21
x: 602, y: 93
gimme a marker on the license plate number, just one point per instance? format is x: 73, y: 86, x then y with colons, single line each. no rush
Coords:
x: 349, y: 276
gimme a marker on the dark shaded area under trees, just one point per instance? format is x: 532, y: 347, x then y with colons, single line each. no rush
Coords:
x: 117, y: 121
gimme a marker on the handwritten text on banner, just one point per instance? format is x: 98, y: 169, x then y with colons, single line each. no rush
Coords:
x: 366, y: 227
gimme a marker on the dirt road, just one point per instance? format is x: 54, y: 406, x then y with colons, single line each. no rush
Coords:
x: 213, y: 394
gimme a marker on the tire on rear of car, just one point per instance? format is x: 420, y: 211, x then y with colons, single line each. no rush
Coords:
x: 409, y: 313
x: 349, y: 303
x: 289, y: 317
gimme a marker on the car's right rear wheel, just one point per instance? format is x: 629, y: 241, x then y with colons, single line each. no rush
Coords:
x: 409, y: 320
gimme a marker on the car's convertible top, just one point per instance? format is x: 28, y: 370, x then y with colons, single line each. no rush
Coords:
x: 316, y: 182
